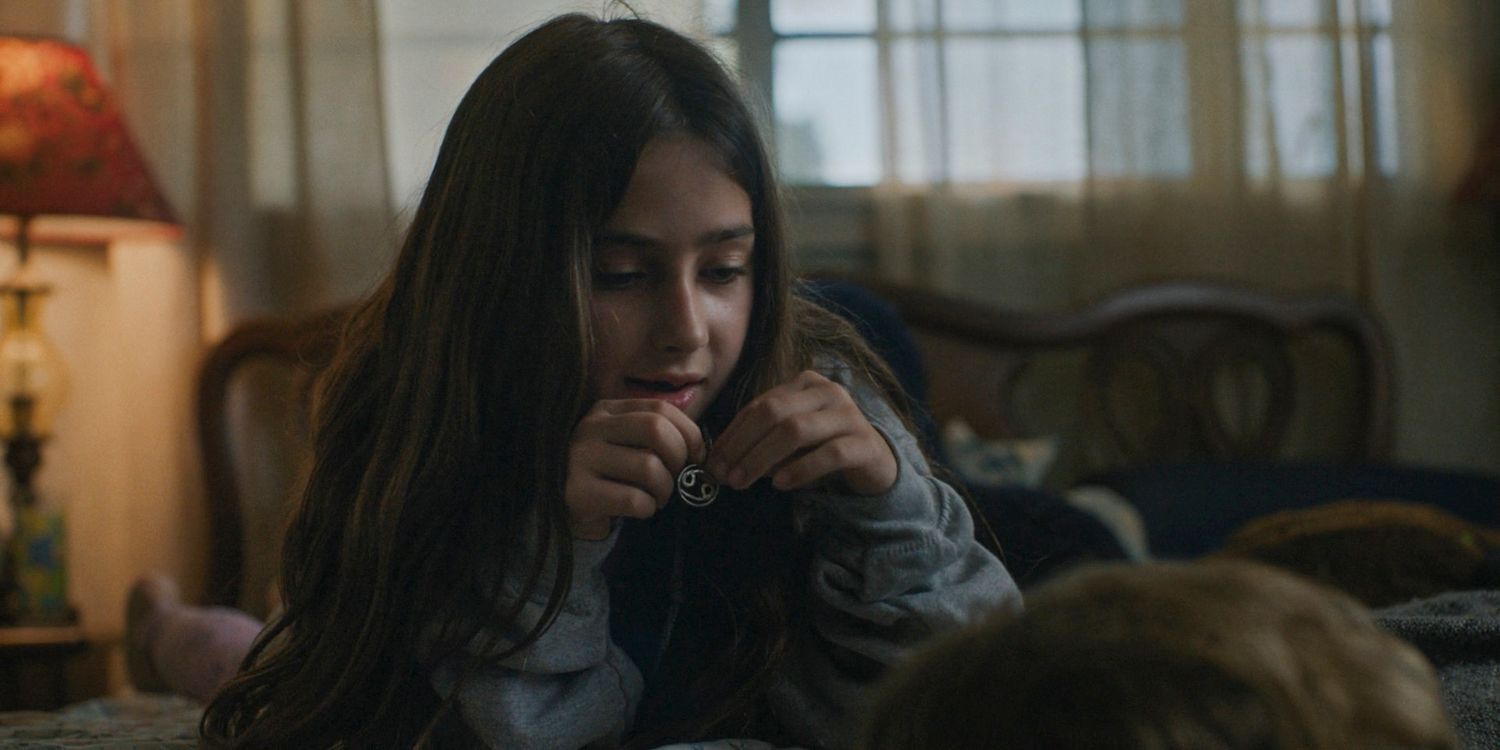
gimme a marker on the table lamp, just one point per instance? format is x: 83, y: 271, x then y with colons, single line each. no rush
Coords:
x: 64, y: 152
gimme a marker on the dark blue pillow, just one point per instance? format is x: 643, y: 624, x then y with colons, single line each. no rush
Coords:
x: 1039, y: 533
x: 1190, y: 509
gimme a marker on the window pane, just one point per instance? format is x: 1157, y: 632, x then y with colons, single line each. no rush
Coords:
x: 1012, y: 15
x: 1282, y: 13
x: 1290, y: 124
x: 1354, y: 116
x: 1376, y: 12
x: 827, y: 115
x: 1016, y: 109
x: 913, y: 15
x: 1138, y: 103
x: 1385, y: 104
x: 823, y: 16
x: 1126, y: 14
x: 1371, y: 12
x: 918, y: 107
x: 718, y: 15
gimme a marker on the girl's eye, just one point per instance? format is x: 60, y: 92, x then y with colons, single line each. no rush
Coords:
x: 617, y: 279
x: 724, y: 274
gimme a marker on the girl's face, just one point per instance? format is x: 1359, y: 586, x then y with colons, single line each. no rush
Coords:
x: 673, y: 280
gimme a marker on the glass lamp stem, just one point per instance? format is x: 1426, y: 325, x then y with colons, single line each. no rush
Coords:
x: 23, y: 238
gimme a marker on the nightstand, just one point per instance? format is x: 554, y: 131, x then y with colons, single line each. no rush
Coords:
x: 34, y: 665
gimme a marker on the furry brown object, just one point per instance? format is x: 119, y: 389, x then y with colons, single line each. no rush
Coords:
x: 1382, y: 552
x: 1226, y: 654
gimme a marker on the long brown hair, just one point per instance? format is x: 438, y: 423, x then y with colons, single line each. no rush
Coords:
x: 440, y: 426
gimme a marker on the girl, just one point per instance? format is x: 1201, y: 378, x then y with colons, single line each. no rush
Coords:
x: 593, y: 295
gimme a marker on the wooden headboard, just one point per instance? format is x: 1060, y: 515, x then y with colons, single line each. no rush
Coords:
x: 254, y: 390
x: 1159, y: 372
x: 1169, y: 371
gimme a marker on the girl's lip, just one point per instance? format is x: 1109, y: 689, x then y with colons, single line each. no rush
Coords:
x: 676, y: 380
x: 679, y: 398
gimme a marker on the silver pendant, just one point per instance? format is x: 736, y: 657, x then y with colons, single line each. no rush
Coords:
x: 695, y: 485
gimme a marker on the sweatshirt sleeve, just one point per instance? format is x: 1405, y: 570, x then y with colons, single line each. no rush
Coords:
x: 887, y: 573
x: 573, y: 670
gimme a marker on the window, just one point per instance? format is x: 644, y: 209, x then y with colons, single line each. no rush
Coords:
x: 1041, y: 92
x: 1294, y: 69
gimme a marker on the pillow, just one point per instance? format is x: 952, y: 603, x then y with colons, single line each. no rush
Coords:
x: 1038, y: 533
x: 1117, y: 514
x: 1191, y: 509
x: 1024, y: 461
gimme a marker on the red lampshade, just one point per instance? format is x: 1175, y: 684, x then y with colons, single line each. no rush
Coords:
x: 64, y: 148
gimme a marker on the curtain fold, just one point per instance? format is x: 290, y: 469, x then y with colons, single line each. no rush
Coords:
x: 294, y: 178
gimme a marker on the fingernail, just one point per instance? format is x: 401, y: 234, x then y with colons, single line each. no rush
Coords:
x: 737, y: 479
x: 716, y: 467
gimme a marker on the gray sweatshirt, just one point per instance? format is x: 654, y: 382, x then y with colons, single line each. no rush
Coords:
x: 888, y: 572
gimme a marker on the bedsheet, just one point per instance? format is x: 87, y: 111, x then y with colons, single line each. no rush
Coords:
x: 116, y: 723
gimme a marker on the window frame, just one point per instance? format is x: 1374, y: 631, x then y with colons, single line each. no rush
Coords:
x: 834, y: 223
x: 1212, y: 34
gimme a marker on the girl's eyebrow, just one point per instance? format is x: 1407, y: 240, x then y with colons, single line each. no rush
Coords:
x: 711, y: 237
x: 727, y: 234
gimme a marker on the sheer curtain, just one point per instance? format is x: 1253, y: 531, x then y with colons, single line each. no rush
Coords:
x: 1130, y: 140
x: 290, y: 203
x: 1039, y: 154
x: 292, y: 177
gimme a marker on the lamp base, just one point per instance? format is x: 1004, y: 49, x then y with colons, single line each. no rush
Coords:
x: 33, y: 570
x: 36, y: 591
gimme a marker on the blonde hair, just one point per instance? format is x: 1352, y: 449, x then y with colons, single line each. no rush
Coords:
x: 1221, y: 654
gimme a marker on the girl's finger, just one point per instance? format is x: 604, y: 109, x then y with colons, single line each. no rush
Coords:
x: 638, y: 468
x: 654, y: 425
x: 649, y: 432
x: 786, y: 440
x: 749, y: 427
x: 608, y: 499
x: 829, y: 458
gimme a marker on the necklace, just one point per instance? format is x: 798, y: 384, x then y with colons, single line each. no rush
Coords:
x: 695, y: 485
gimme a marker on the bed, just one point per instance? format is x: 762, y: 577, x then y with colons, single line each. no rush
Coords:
x: 1177, y: 412
x: 1158, y: 394
x: 1156, y: 421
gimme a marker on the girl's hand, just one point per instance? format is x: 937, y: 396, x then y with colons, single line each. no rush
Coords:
x: 800, y: 432
x: 623, y: 461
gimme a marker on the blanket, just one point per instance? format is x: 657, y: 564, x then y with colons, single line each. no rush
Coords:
x: 1460, y: 633
x: 139, y: 721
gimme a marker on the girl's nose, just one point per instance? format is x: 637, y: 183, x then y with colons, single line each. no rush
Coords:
x: 680, y: 324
